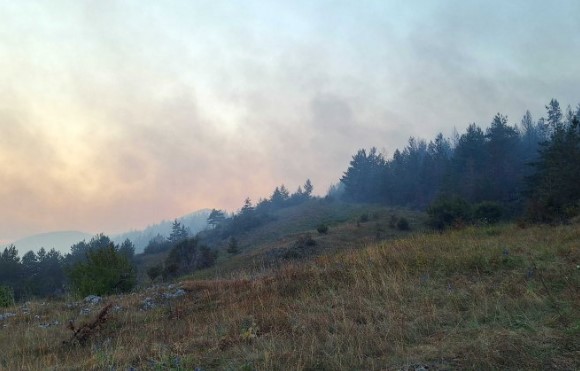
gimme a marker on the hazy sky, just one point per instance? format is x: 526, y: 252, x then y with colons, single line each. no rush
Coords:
x: 117, y: 114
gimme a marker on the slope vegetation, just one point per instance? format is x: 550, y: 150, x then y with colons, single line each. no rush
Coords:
x: 292, y: 235
x: 484, y: 298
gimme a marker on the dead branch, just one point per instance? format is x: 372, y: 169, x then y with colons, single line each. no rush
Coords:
x: 84, y: 332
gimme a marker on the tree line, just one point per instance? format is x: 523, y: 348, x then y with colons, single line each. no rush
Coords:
x: 96, y: 267
x: 529, y: 169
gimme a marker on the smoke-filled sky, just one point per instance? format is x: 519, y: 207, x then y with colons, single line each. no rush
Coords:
x: 117, y: 114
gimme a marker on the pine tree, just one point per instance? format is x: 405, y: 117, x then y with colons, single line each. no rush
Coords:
x: 233, y: 247
x: 215, y: 218
x: 308, y: 188
x: 178, y: 233
x: 553, y: 189
x: 554, y: 119
x: 106, y: 271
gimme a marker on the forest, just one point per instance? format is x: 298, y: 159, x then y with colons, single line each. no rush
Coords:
x: 528, y: 170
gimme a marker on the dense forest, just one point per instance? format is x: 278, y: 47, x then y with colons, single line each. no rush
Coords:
x: 529, y: 171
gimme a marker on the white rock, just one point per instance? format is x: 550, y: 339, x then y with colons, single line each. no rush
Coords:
x: 6, y: 316
x: 93, y: 299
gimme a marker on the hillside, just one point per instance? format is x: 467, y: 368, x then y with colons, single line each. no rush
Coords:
x: 487, y: 298
x: 292, y: 234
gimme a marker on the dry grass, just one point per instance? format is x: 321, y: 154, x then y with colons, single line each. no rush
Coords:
x: 487, y: 298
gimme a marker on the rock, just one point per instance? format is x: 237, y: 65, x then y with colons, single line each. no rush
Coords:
x: 47, y: 325
x: 25, y: 308
x: 176, y: 294
x: 148, y: 304
x: 6, y: 315
x: 93, y: 299
x: 85, y: 311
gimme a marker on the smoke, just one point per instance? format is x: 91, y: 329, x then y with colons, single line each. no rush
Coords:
x: 116, y: 115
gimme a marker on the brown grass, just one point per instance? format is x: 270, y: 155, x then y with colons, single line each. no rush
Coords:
x: 487, y: 298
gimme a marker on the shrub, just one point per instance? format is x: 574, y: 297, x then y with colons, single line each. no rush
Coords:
x: 403, y: 224
x: 364, y: 218
x: 188, y: 256
x: 6, y: 296
x: 445, y: 212
x: 322, y: 229
x: 106, y: 271
x: 154, y: 272
x: 233, y: 246
x: 305, y: 241
x: 487, y: 212
x: 156, y: 245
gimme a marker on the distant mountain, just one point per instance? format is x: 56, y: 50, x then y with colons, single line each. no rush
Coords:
x: 63, y: 240
x: 60, y: 241
x: 194, y: 222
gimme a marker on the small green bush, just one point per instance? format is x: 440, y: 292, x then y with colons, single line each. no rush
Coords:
x: 445, y: 212
x: 487, y: 212
x: 305, y: 241
x: 363, y: 218
x: 233, y: 247
x: 322, y: 229
x: 6, y: 296
x: 403, y: 224
x: 154, y: 271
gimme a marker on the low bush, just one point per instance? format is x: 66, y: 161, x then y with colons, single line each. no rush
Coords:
x: 403, y: 224
x: 154, y: 271
x: 445, y: 212
x: 233, y: 247
x: 487, y: 212
x: 6, y: 296
x: 305, y: 241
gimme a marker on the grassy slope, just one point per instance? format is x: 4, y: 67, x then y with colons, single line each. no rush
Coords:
x: 496, y: 297
x: 262, y: 247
